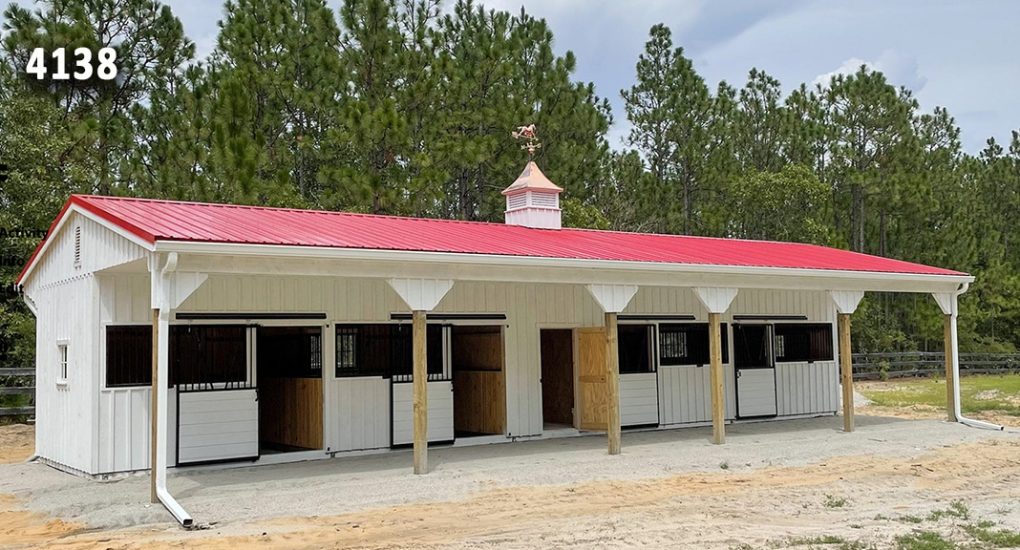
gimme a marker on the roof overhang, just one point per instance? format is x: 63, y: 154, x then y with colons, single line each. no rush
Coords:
x: 76, y: 206
x: 213, y: 257
x: 346, y: 262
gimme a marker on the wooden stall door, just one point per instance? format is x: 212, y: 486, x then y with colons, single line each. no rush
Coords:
x: 479, y: 390
x: 557, y: 357
x: 592, y: 378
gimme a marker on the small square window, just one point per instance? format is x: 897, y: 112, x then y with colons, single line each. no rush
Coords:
x: 62, y: 363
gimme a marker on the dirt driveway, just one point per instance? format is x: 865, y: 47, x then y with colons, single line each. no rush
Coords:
x: 796, y: 483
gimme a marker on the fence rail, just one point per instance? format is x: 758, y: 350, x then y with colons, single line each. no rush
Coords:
x: 879, y: 366
x: 12, y: 382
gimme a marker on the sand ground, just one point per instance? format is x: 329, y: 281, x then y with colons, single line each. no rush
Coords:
x: 17, y: 443
x: 771, y: 484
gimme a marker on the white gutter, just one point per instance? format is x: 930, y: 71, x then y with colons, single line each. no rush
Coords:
x: 163, y: 379
x: 499, y: 260
x: 956, y: 369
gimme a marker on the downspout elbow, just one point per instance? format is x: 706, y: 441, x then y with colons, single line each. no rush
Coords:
x: 174, y: 507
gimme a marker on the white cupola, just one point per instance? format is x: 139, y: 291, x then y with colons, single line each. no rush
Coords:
x: 533, y: 200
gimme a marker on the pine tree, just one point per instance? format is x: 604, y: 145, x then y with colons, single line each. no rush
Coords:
x: 673, y: 115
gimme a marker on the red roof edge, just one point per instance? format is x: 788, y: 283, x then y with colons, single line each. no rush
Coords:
x: 82, y: 202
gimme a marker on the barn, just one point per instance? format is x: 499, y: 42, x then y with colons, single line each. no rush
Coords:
x: 174, y: 334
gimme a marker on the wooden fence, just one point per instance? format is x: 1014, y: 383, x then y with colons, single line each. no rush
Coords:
x: 867, y: 366
x: 880, y: 366
x: 18, y: 382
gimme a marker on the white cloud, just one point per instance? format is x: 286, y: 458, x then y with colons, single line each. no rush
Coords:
x: 899, y: 69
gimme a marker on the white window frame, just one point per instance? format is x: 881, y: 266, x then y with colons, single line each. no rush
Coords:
x: 63, y: 361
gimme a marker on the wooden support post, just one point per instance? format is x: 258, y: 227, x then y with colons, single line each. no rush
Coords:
x: 421, y: 393
x: 154, y: 433
x: 717, y: 379
x: 950, y: 375
x: 613, y: 383
x: 846, y: 369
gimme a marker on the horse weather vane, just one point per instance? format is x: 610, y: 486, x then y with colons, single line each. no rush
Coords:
x: 529, y: 137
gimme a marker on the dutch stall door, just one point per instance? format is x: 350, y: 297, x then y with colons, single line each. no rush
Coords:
x: 756, y: 371
x: 591, y: 378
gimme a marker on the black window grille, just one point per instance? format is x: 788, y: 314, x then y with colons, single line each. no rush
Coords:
x: 385, y: 350
x: 202, y: 355
x: 750, y: 345
x: 687, y: 344
x: 802, y: 342
x: 128, y: 356
x: 635, y: 348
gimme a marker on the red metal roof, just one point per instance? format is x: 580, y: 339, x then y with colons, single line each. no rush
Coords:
x: 157, y: 220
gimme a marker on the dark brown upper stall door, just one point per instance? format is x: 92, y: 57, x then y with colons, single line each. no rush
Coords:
x: 557, y: 357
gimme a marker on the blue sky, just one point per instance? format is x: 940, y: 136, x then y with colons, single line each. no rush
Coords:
x: 957, y: 54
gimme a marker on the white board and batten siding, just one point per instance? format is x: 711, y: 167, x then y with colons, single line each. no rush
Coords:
x: 639, y: 399
x: 124, y: 428
x: 357, y: 414
x: 440, y: 424
x: 65, y: 295
x: 807, y: 388
x: 218, y: 425
x: 685, y: 394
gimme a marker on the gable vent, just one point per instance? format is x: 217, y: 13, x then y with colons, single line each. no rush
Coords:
x: 77, y: 246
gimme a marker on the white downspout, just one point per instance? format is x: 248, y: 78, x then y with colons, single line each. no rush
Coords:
x: 956, y: 368
x: 163, y: 379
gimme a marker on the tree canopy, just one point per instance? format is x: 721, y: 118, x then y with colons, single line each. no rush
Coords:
x: 405, y: 107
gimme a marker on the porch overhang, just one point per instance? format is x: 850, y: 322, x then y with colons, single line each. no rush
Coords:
x: 252, y: 259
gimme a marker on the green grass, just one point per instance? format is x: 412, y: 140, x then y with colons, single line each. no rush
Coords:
x: 996, y: 538
x: 979, y: 393
x: 909, y: 518
x: 813, y: 541
x: 828, y: 541
x: 832, y: 501
x: 957, y: 509
x: 924, y: 540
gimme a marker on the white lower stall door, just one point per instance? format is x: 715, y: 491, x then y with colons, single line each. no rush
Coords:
x: 755, y: 371
x: 218, y: 425
x: 440, y: 401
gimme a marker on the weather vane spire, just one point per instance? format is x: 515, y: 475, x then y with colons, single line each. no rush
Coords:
x: 529, y: 137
